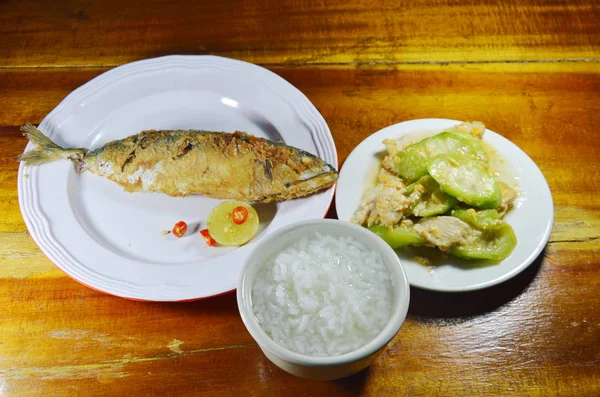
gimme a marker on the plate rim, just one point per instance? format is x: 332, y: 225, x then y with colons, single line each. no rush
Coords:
x: 535, y: 253
x: 38, y: 223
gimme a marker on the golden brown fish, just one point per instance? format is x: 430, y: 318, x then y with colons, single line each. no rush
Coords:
x: 221, y: 165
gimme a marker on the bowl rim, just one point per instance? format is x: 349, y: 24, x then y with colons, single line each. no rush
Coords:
x: 391, y: 328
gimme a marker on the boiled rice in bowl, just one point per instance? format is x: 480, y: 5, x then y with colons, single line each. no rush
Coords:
x: 322, y: 298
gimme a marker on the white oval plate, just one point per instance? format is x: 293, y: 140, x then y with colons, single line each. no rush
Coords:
x: 111, y: 240
x: 531, y: 218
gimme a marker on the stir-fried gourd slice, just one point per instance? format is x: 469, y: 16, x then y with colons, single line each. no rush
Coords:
x: 399, y: 236
x: 483, y: 220
x: 494, y: 244
x: 412, y: 161
x: 463, y: 134
x: 467, y: 180
x: 428, y: 199
x: 475, y: 143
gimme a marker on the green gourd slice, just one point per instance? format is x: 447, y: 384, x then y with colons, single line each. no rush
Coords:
x: 399, y: 236
x: 479, y: 149
x: 494, y: 245
x: 482, y: 220
x: 467, y: 180
x: 412, y: 161
x: 428, y: 199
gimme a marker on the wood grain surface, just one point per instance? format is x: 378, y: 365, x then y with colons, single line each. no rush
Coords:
x: 298, y: 32
x: 529, y: 69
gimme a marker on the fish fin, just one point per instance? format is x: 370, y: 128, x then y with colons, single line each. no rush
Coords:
x: 46, y: 150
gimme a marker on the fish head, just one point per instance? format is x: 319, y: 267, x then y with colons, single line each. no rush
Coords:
x: 318, y: 176
x: 302, y: 174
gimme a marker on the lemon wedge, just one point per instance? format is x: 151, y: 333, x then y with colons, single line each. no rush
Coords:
x: 223, y: 224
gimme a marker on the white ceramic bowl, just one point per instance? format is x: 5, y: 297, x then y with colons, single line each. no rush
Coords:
x: 322, y: 368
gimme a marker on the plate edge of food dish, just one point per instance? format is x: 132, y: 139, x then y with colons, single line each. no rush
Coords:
x: 112, y: 75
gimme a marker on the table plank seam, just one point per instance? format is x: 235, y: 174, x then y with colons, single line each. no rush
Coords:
x: 586, y: 239
x: 441, y: 63
x: 361, y: 63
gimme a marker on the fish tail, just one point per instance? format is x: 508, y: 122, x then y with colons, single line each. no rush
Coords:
x: 38, y: 138
x: 46, y: 150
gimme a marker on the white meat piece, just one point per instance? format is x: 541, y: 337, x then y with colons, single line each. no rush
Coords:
x: 445, y: 231
x: 386, y: 177
x: 384, y: 203
x: 391, y: 204
x: 367, y: 206
x: 391, y: 146
x: 475, y: 128
x: 509, y: 195
x: 388, y: 161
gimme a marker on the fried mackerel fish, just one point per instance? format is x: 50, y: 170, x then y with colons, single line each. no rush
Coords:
x: 439, y: 192
x: 235, y: 166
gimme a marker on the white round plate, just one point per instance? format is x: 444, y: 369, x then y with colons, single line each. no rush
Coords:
x: 111, y: 240
x: 531, y: 217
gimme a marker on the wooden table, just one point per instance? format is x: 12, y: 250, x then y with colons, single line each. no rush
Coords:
x: 529, y: 69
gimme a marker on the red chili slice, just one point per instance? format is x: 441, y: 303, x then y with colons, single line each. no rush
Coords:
x: 209, y: 240
x: 239, y: 215
x: 179, y: 229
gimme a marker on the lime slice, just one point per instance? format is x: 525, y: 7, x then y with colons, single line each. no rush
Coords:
x: 225, y: 231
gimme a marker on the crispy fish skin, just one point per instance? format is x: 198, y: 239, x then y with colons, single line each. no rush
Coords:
x: 235, y: 166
